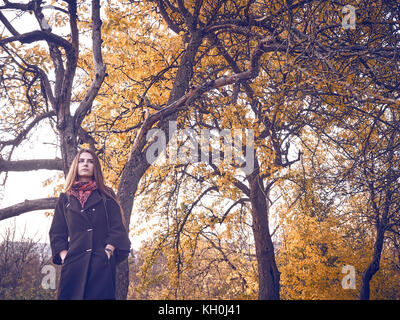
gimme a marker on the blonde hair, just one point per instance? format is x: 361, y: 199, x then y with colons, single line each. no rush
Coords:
x: 72, y: 176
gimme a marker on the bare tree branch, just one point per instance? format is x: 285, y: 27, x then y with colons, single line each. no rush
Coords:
x: 21, y: 136
x: 28, y: 165
x: 27, y: 206
x: 99, y: 67
x: 18, y: 6
x: 8, y: 25
x: 38, y: 35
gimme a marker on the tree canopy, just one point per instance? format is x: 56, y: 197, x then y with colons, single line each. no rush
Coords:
x: 258, y: 141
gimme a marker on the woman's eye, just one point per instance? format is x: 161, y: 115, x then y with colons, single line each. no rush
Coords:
x: 83, y: 160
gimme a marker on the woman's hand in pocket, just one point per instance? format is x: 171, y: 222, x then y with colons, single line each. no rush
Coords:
x: 63, y: 254
x: 109, y: 251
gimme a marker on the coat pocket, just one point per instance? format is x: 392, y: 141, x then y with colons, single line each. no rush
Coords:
x: 71, y: 258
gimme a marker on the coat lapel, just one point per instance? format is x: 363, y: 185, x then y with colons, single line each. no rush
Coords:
x: 74, y: 205
x: 94, y: 198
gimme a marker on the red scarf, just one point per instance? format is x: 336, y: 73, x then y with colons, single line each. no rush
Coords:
x: 82, y: 190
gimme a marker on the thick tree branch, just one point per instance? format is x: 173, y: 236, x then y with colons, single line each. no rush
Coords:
x: 27, y: 206
x: 193, y: 94
x: 99, y: 67
x: 29, y: 165
x: 190, y: 22
x: 72, y: 55
x: 38, y: 35
x: 8, y: 25
x: 18, y: 6
x: 171, y: 24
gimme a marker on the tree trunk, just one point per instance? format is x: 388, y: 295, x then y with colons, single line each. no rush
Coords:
x: 373, y: 267
x: 137, y: 164
x: 268, y: 273
x: 122, y: 281
x: 69, y: 142
x: 381, y: 224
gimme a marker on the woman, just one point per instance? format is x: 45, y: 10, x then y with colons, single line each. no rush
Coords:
x: 87, y: 234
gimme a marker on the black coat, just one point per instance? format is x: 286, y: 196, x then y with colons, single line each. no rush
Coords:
x: 87, y: 273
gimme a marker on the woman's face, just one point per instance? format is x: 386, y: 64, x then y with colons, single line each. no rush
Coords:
x: 85, y: 167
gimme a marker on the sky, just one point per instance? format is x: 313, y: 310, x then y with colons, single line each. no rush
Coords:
x: 21, y: 186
